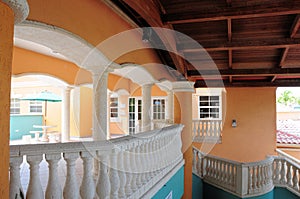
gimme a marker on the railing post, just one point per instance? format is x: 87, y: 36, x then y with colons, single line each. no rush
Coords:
x: 71, y: 188
x: 54, y: 188
x: 114, y: 177
x: 35, y: 189
x: 15, y: 188
x: 87, y: 188
x: 103, y: 184
x: 242, y: 179
x: 121, y: 172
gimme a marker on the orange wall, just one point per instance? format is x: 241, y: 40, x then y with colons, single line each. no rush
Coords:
x: 85, y: 111
x: 25, y: 61
x: 95, y: 22
x: 254, y: 137
x: 6, y: 46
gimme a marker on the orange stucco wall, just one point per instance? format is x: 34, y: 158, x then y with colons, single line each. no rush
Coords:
x: 6, y: 45
x: 254, y: 137
x: 92, y: 21
x: 26, y: 61
x: 85, y: 112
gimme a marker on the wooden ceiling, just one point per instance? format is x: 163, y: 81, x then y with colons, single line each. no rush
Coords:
x: 252, y: 43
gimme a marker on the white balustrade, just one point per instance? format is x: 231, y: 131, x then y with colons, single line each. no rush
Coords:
x: 287, y: 174
x: 248, y: 179
x: 129, y: 167
x: 207, y: 130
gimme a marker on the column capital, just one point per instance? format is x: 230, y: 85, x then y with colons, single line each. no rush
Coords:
x: 20, y: 9
x: 183, y: 86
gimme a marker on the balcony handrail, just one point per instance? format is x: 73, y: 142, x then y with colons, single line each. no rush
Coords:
x: 247, y: 179
x: 129, y: 167
x: 206, y: 130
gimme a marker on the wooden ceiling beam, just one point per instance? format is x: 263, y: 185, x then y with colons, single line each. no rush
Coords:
x: 229, y: 29
x: 295, y: 26
x: 245, y: 72
x: 151, y: 14
x: 241, y: 45
x: 265, y: 10
x: 230, y: 58
x: 219, y: 83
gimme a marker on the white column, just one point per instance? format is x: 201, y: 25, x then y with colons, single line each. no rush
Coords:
x: 100, y: 105
x: 65, y: 124
x: 170, y: 118
x: 146, y: 107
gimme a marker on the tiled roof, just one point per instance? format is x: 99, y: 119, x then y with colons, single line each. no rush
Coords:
x: 289, y: 126
x: 287, y: 138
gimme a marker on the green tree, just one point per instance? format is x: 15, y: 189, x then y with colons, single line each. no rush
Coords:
x: 287, y: 98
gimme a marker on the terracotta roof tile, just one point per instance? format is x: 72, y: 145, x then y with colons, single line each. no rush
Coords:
x: 287, y: 138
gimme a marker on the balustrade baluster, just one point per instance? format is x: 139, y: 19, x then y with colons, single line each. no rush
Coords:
x: 133, y: 168
x: 35, y: 189
x: 139, y: 165
x: 87, y: 188
x: 195, y: 160
x: 114, y: 177
x: 250, y: 186
x: 15, y: 188
x: 148, y: 159
x: 103, y: 184
x: 194, y: 130
x: 255, y: 177
x: 289, y: 174
x: 121, y: 172
x: 127, y: 166
x: 259, y: 176
x: 199, y: 165
x: 295, y: 178
x: 53, y: 190
x: 277, y: 165
x: 71, y: 187
x: 199, y: 129
x: 283, y: 172
x: 213, y: 129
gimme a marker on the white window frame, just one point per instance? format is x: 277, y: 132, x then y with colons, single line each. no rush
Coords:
x: 114, y: 119
x: 212, y: 92
x: 36, y: 104
x: 165, y: 108
x: 15, y: 104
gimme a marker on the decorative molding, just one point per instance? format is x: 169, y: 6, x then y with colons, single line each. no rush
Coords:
x: 20, y: 8
x: 183, y: 86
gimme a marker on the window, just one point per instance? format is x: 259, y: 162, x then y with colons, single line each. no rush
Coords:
x: 159, y: 109
x: 114, y: 107
x: 209, y: 107
x: 14, y: 106
x: 36, y: 107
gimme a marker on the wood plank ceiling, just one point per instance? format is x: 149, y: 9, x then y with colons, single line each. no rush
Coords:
x: 252, y: 43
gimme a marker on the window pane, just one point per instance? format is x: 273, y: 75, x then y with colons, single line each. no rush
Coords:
x: 203, y: 98
x: 204, y: 104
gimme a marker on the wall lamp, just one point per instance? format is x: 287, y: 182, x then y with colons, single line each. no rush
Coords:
x: 234, y: 123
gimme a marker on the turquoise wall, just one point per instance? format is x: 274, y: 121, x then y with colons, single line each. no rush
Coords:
x: 21, y: 125
x: 202, y: 190
x: 175, y: 184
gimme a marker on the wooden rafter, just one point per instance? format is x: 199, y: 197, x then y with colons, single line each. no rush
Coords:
x: 242, y: 45
x: 277, y: 83
x: 274, y: 78
x: 230, y: 58
x: 229, y: 31
x: 264, y: 10
x: 284, y: 54
x: 295, y: 26
x: 246, y: 72
x: 229, y: 2
x: 151, y: 14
